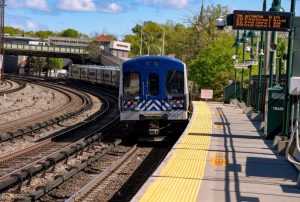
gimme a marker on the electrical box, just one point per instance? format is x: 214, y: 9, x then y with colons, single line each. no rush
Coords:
x: 294, y: 85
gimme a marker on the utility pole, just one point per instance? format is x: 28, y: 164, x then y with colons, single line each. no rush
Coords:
x: 163, y: 43
x: 289, y: 72
x: 2, y: 9
x: 141, y: 42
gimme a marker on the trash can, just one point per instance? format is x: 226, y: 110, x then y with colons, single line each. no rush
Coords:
x: 275, y: 112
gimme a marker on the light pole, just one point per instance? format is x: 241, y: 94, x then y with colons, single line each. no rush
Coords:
x: 261, y: 63
x: 289, y: 72
x: 251, y: 34
x: 276, y: 7
x: 244, y: 41
x: 235, y: 58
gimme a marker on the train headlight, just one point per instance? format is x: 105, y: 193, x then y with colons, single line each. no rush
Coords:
x: 177, y: 104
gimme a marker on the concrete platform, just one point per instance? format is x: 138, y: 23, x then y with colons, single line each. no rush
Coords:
x: 222, y: 157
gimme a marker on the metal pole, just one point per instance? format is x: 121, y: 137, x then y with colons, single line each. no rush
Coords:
x: 242, y: 86
x: 250, y: 68
x: 261, y: 64
x: 249, y: 86
x: 276, y: 7
x: 236, y: 55
x: 235, y: 87
x: 244, y: 44
x: 273, y: 54
x: 289, y: 73
x: 2, y: 14
x: 141, y: 42
x: 242, y: 82
x: 163, y: 44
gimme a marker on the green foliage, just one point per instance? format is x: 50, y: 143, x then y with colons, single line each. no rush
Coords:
x: 56, y: 63
x: 13, y: 31
x: 213, y: 66
x: 207, y: 51
x: 70, y: 33
x: 44, y: 34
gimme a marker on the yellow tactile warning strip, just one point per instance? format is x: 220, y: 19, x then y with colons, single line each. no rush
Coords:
x: 179, y: 179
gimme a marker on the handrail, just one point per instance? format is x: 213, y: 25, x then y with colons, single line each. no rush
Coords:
x: 294, y: 135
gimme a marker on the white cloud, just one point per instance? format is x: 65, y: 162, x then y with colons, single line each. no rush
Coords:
x: 37, y: 4
x: 31, y: 25
x: 77, y: 5
x: 171, y: 3
x: 32, y: 4
x: 112, y: 8
x: 88, y: 5
x: 24, y: 23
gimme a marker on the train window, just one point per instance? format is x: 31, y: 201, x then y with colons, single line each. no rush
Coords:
x: 175, y: 82
x: 131, y: 82
x: 153, y: 84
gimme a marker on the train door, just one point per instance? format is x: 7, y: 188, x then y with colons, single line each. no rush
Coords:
x: 152, y: 88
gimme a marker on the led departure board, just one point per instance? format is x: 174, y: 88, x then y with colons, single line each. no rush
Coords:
x: 260, y: 20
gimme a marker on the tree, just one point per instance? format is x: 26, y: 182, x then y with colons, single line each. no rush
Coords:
x: 44, y: 34
x: 70, y: 33
x: 13, y: 31
x: 94, y: 50
x: 213, y: 66
x: 56, y: 63
x: 38, y: 64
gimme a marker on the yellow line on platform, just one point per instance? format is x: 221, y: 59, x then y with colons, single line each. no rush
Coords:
x: 180, y: 178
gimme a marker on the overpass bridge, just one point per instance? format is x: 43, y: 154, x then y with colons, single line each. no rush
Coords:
x: 45, y: 50
x: 75, y: 53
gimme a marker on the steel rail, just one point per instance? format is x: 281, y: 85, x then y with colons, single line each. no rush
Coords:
x: 27, y: 172
x: 97, y: 180
x: 66, y: 112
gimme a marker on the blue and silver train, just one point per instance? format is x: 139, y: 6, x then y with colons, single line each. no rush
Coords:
x: 153, y: 90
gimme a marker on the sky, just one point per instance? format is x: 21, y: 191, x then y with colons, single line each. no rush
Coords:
x: 112, y: 16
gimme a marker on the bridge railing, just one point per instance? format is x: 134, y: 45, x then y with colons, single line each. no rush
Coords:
x: 52, y: 49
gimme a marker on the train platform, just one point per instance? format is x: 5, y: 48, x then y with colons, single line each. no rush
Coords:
x: 222, y: 157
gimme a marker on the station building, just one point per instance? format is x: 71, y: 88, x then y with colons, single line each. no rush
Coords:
x: 117, y: 48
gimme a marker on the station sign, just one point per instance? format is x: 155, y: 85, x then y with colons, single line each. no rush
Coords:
x: 245, y: 65
x: 261, y: 20
x: 207, y: 94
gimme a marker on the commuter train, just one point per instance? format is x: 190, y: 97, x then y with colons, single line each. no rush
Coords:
x: 153, y: 91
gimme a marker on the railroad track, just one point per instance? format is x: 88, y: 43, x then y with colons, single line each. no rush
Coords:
x: 76, y: 103
x: 9, y: 86
x: 5, y: 85
x: 60, y: 147
x: 90, y: 191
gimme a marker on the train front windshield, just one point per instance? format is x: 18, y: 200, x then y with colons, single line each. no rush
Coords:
x: 153, y: 84
x: 131, y: 83
x: 175, y: 83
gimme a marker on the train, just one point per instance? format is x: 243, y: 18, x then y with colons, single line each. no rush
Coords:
x: 153, y: 91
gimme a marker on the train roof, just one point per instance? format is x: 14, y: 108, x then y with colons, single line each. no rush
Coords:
x: 97, y: 67
x: 147, y: 58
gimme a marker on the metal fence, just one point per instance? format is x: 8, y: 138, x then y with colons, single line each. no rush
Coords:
x: 249, y: 94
